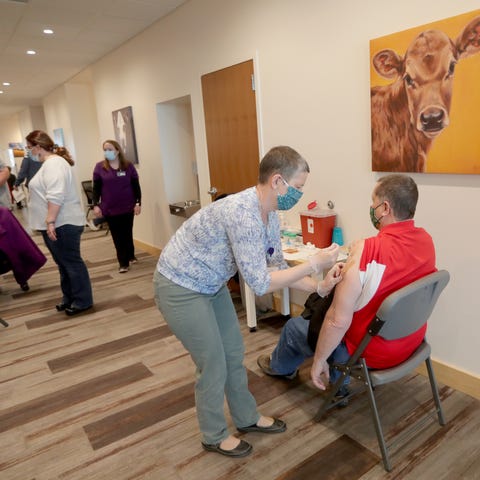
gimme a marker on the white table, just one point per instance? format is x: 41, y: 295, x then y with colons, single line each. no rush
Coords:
x: 292, y: 258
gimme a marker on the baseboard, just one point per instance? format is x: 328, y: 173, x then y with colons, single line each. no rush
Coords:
x: 446, y: 374
x: 455, y: 378
x: 154, y: 251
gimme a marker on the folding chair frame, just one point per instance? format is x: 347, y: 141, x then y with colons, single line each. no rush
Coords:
x: 356, y: 366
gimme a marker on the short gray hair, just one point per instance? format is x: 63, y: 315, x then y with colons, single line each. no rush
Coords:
x: 401, y: 192
x: 283, y: 160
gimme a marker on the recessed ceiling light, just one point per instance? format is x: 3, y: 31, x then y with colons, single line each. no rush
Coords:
x: 48, y: 31
x: 6, y: 84
x: 31, y: 52
x: 1, y: 91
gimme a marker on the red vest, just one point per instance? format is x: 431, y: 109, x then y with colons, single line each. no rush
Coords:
x: 400, y: 254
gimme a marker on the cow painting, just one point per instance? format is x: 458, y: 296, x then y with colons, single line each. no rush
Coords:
x: 408, y: 114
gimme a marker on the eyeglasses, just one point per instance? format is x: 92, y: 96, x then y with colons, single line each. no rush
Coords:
x: 288, y: 185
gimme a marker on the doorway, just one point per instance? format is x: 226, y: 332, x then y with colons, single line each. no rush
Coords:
x: 177, y: 148
x: 229, y: 104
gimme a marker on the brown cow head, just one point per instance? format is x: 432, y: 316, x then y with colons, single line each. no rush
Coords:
x: 426, y: 73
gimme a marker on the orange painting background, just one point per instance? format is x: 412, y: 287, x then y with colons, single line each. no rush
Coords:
x: 457, y: 148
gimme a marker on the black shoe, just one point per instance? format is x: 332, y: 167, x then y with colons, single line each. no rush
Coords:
x: 278, y: 426
x: 241, y: 450
x: 263, y: 361
x: 342, y: 393
x: 25, y: 287
x: 70, y: 311
x: 62, y: 306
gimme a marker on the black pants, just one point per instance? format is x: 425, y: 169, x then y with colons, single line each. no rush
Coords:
x: 121, y: 228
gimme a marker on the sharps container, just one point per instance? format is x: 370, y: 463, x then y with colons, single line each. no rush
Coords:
x: 317, y: 226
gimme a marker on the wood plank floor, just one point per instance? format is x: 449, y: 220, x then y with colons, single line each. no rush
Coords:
x: 109, y: 395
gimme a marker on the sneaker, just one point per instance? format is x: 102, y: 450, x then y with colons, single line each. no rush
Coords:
x: 123, y: 270
x: 263, y: 361
x: 134, y: 260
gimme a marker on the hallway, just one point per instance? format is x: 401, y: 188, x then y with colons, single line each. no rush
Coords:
x: 109, y: 395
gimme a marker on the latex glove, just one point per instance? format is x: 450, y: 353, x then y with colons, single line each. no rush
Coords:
x: 325, y: 258
x: 333, y: 277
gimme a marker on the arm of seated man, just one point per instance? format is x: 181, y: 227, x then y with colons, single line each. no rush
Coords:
x: 338, y: 317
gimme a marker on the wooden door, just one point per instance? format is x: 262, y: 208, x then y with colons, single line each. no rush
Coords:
x: 231, y: 128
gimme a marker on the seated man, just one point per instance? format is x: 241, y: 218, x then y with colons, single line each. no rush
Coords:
x: 377, y: 266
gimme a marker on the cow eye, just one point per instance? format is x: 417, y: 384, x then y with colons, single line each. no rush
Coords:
x: 409, y: 80
x: 451, y: 69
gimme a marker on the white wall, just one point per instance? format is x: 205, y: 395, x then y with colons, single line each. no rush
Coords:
x: 9, y: 132
x: 72, y: 108
x: 312, y: 68
x: 32, y: 118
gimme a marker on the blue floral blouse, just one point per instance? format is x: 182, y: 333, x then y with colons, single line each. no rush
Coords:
x: 221, y: 238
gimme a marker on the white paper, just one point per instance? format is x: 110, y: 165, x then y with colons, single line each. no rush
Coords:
x: 18, y: 195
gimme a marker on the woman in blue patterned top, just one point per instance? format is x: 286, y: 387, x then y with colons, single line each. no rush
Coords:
x: 238, y: 233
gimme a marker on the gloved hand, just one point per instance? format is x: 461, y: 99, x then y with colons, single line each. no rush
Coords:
x: 325, y: 258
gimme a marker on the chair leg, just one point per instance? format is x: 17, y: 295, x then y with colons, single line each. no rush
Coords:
x: 3, y: 322
x: 436, y: 396
x: 376, y: 417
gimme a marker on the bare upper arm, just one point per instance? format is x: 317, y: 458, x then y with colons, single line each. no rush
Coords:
x: 348, y: 290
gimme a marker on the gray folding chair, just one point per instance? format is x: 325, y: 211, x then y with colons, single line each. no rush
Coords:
x: 400, y: 314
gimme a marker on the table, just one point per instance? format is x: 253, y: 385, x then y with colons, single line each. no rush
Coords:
x: 293, y: 254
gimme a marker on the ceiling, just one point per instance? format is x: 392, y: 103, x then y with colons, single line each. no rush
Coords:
x: 84, y: 31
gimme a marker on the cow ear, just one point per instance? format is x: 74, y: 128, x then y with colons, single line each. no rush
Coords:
x: 468, y: 42
x: 387, y: 63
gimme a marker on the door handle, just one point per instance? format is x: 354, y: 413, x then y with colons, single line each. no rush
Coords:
x: 213, y: 191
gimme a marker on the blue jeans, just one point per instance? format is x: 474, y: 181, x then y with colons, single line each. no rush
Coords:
x: 207, y: 326
x: 74, y: 278
x: 292, y: 350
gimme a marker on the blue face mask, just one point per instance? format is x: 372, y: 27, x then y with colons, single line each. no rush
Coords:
x: 289, y: 199
x: 32, y: 156
x: 110, y: 155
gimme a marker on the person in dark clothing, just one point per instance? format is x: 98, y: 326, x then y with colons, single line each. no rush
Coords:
x: 117, y: 197
x: 28, y: 169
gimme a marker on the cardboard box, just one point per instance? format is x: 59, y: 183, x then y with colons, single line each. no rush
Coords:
x: 317, y: 226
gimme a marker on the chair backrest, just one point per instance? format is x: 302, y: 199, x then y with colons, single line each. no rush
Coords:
x: 87, y: 186
x: 407, y: 309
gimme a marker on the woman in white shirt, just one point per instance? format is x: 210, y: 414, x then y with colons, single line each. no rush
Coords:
x: 56, y: 212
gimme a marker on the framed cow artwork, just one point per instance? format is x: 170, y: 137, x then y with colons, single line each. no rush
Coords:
x: 425, y: 98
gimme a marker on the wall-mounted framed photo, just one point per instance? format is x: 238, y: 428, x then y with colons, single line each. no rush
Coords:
x: 58, y: 137
x: 125, y: 132
x: 425, y: 98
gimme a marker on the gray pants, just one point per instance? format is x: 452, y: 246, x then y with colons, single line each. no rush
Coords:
x: 207, y: 326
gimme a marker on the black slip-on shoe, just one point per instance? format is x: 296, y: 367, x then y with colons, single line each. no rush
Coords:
x: 263, y: 361
x: 62, y: 306
x: 241, y: 450
x: 70, y: 311
x: 278, y: 426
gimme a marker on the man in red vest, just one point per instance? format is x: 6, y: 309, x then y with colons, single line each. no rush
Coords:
x: 377, y: 266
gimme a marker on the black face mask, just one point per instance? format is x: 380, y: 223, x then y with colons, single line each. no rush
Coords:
x: 373, y: 218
